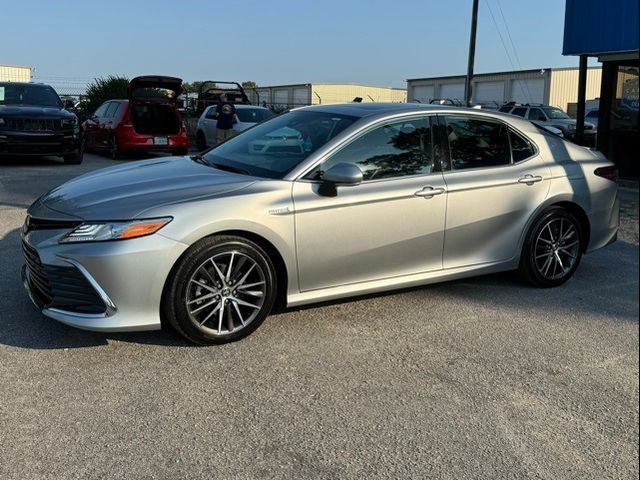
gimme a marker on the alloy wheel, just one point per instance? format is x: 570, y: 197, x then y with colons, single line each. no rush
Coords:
x: 557, y: 248
x: 225, y: 293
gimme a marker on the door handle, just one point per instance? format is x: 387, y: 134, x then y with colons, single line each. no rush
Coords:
x: 530, y: 179
x: 429, y: 192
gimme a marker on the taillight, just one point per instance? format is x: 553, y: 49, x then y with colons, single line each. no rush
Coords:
x: 610, y: 173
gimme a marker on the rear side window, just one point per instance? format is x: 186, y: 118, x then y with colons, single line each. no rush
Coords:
x: 521, y: 148
x: 253, y: 115
x: 505, y: 109
x: 537, y: 114
x: 521, y: 112
x: 477, y: 143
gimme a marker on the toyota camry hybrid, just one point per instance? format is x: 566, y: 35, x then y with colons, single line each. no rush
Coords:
x: 316, y: 204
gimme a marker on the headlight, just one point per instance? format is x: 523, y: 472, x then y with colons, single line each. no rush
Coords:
x: 104, y: 231
x: 69, y: 122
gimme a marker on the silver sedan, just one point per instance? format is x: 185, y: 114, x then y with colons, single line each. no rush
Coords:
x: 319, y: 203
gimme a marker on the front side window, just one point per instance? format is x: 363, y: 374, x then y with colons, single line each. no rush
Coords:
x: 505, y: 109
x: 396, y: 149
x: 521, y: 112
x: 537, y: 114
x: 592, y: 114
x: 111, y: 111
x: 273, y: 148
x: 477, y: 143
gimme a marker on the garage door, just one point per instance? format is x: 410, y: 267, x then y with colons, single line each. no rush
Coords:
x: 301, y: 96
x: 488, y: 92
x: 422, y: 93
x: 527, y: 91
x: 453, y: 91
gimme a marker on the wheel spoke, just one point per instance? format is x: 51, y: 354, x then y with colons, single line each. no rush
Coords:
x: 244, y: 277
x: 243, y: 303
x: 235, y: 306
x: 253, y: 293
x: 205, y: 286
x: 230, y: 267
x: 547, y: 264
x: 559, y: 260
x: 220, y: 274
x: 567, y: 252
x: 572, y: 244
x: 201, y: 307
x: 550, y: 232
x: 249, y: 285
x: 220, y: 315
x: 211, y: 314
x: 201, y: 298
x: 230, y: 324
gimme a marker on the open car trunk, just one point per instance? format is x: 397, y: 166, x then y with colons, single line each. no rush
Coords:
x: 154, y: 119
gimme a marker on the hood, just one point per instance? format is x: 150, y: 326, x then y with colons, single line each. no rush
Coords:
x: 155, y: 88
x: 126, y: 192
x: 31, y: 111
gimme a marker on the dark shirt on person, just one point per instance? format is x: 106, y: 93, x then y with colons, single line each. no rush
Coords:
x: 226, y: 112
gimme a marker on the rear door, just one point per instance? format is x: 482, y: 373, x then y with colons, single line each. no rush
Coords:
x: 495, y: 183
x: 92, y: 126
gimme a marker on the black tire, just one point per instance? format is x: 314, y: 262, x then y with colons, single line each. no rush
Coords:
x: 551, y: 253
x: 179, y: 152
x: 75, y: 158
x: 201, y: 142
x: 114, y: 149
x: 224, y: 318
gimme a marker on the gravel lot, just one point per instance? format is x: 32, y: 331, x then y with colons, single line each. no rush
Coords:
x: 481, y: 378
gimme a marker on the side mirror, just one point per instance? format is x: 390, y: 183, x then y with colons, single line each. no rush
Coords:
x: 341, y: 174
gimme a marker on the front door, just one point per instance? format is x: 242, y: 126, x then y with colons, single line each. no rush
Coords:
x: 390, y: 225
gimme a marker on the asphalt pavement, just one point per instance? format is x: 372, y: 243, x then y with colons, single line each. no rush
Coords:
x: 480, y: 378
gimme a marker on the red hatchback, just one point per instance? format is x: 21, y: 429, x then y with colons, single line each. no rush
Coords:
x: 148, y: 121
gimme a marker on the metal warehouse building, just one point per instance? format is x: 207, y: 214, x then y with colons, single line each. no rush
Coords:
x: 14, y: 73
x: 317, y: 93
x: 550, y: 86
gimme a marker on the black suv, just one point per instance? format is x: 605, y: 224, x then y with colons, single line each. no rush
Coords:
x: 33, y: 121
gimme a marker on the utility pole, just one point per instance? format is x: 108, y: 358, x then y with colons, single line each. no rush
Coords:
x: 472, y: 54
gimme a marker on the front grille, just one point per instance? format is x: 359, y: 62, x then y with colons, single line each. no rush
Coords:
x: 65, y: 288
x: 32, y: 223
x: 33, y: 124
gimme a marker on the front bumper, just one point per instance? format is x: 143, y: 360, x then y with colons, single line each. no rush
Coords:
x: 128, y: 277
x: 64, y: 142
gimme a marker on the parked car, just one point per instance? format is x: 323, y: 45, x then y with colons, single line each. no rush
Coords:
x: 380, y: 197
x: 147, y: 121
x: 246, y: 116
x: 548, y: 116
x: 33, y: 121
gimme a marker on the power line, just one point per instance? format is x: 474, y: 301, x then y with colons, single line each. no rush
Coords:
x: 504, y: 45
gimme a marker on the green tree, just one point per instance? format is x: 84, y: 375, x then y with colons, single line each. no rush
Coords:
x: 192, y: 87
x: 103, y: 89
x: 249, y: 84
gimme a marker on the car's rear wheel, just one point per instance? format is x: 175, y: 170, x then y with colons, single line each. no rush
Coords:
x: 114, y: 149
x: 201, y: 142
x: 221, y: 290
x: 553, y: 249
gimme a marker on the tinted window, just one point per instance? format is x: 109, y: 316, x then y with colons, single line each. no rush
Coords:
x: 536, y: 114
x: 505, y: 109
x: 396, y: 149
x: 521, y: 148
x: 111, y: 111
x: 475, y: 143
x: 555, y: 113
x: 521, y: 112
x: 273, y: 148
x: 253, y: 115
x: 100, y: 112
x: 592, y: 114
x: 211, y: 111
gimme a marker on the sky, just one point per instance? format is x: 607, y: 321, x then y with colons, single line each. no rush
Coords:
x: 277, y: 41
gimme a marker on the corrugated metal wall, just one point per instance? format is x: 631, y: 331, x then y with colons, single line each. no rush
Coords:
x: 339, y: 93
x: 14, y: 73
x: 564, y: 86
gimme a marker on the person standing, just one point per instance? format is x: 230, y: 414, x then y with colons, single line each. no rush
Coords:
x: 225, y: 113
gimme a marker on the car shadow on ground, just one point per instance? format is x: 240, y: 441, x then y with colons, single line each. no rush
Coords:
x: 596, y: 287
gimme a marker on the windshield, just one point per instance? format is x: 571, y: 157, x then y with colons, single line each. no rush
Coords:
x: 27, y: 94
x: 273, y: 148
x: 555, y: 113
x: 253, y: 115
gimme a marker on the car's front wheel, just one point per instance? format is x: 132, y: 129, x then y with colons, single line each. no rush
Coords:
x: 553, y: 249
x: 221, y: 290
